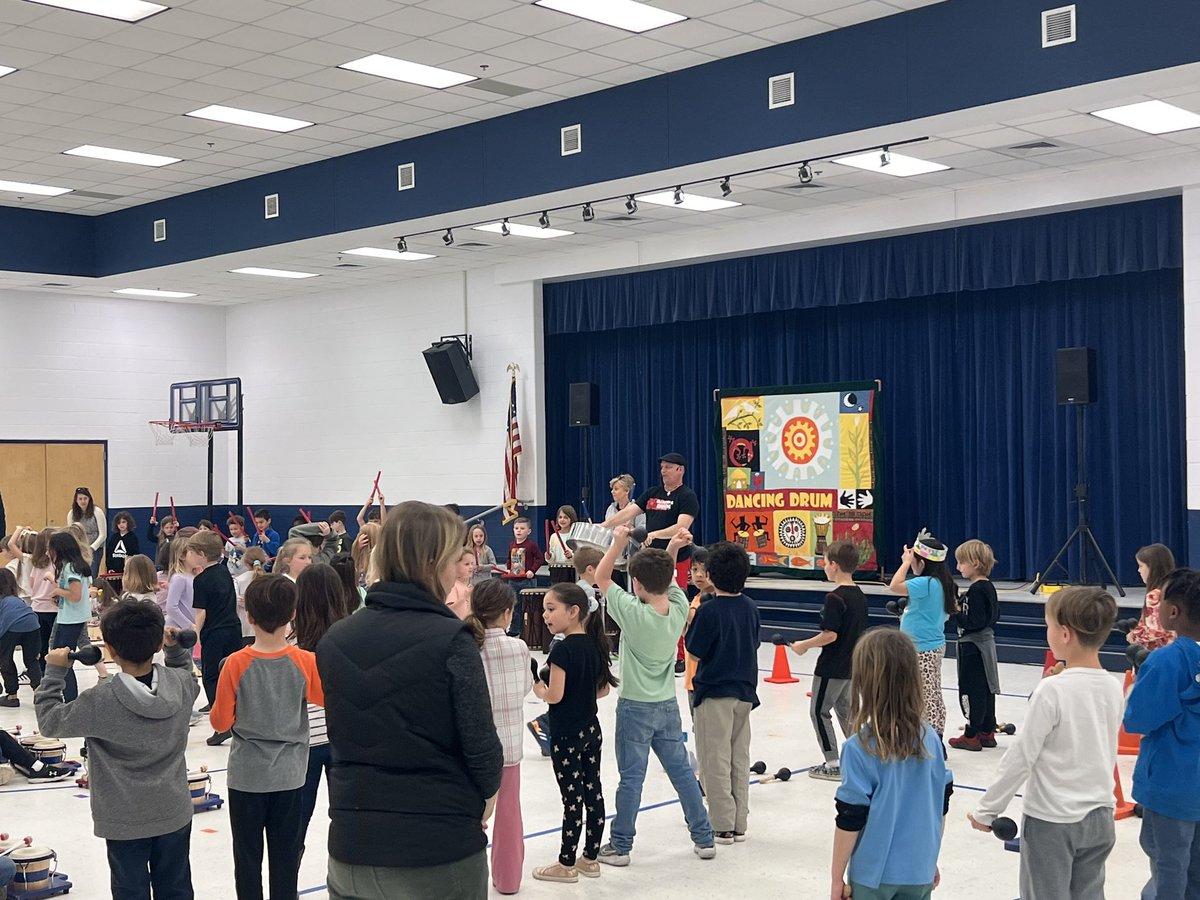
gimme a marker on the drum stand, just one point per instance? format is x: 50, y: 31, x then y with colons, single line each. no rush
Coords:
x: 1087, y: 541
x: 59, y: 884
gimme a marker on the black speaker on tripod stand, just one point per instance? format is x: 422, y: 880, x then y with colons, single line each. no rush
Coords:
x: 1075, y: 385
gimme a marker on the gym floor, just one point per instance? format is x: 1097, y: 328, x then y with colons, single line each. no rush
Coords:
x: 791, y: 824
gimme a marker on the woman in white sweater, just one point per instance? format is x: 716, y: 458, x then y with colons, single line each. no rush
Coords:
x: 91, y: 518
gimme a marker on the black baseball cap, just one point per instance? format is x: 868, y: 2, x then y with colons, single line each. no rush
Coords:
x: 675, y: 459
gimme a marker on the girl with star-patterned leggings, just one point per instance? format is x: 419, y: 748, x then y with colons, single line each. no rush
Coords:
x: 578, y: 673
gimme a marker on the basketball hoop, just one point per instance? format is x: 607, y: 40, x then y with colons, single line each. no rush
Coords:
x: 197, y: 433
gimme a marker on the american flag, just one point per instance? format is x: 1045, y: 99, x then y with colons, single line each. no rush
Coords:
x: 512, y: 454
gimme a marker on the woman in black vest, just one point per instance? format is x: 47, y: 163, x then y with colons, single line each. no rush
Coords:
x: 416, y: 762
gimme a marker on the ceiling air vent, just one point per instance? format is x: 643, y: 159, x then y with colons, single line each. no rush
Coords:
x: 781, y: 91
x: 406, y: 176
x: 622, y: 219
x: 271, y: 206
x: 160, y: 230
x: 1058, y: 26
x: 571, y: 140
x: 470, y: 245
x: 1034, y: 145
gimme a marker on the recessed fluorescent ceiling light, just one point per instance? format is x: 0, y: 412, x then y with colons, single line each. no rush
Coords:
x: 626, y: 14
x: 124, y: 10
x: 695, y: 202
x: 518, y: 230
x: 250, y: 119
x: 898, y: 164
x: 146, y: 292
x: 383, y: 253
x: 124, y: 156
x: 273, y: 273
x: 6, y: 70
x: 21, y: 187
x: 403, y: 70
x: 1152, y: 117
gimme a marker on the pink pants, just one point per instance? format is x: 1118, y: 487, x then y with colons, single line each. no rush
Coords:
x: 682, y: 570
x: 508, y: 833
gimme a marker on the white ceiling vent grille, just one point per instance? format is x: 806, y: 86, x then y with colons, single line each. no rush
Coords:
x: 571, y: 140
x: 271, y: 206
x: 781, y: 91
x: 1058, y: 26
x: 406, y: 176
x: 160, y: 230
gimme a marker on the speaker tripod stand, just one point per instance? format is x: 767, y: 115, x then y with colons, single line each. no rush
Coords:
x: 1088, y: 546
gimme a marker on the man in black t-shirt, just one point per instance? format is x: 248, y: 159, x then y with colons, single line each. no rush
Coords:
x: 843, y: 620
x: 667, y: 509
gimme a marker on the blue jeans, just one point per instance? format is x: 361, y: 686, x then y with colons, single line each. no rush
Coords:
x: 161, y: 862
x: 67, y: 636
x: 1173, y: 846
x: 642, y: 727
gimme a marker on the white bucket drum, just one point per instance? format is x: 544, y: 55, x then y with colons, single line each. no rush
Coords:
x: 33, y: 868
x: 27, y: 741
x: 586, y: 534
x: 52, y: 753
x: 198, y: 785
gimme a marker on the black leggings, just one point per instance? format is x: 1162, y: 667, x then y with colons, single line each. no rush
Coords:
x: 974, y: 693
x: 46, y: 622
x: 215, y: 645
x: 576, y: 764
x: 29, y: 642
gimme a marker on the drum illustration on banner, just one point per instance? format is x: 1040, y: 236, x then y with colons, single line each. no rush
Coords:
x: 798, y: 473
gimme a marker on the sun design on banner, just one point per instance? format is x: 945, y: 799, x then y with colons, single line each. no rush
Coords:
x: 798, y: 440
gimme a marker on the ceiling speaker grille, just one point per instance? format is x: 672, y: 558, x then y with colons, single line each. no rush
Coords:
x: 406, y: 176
x: 271, y: 206
x: 1058, y: 26
x: 781, y: 90
x: 160, y: 230
x: 571, y: 140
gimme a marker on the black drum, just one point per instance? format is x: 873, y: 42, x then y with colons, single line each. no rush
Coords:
x: 563, y: 575
x: 534, y: 631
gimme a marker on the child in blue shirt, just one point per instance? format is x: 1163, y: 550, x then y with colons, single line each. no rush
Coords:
x: 1164, y: 707
x: 932, y: 599
x: 896, y: 787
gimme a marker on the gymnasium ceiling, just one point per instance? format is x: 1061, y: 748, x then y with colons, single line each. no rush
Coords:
x: 83, y: 79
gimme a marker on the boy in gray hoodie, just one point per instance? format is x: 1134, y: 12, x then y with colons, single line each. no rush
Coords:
x: 136, y: 726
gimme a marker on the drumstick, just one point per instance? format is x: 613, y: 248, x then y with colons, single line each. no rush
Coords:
x: 250, y: 513
x: 154, y: 511
x: 307, y: 517
x: 173, y: 516
x: 375, y: 490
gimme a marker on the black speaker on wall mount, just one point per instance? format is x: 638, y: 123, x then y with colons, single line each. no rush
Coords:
x: 449, y: 361
x: 584, y: 406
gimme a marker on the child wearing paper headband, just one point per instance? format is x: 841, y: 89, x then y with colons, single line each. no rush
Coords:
x: 932, y: 599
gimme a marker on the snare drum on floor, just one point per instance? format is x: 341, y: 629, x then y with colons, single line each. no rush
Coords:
x: 534, y: 631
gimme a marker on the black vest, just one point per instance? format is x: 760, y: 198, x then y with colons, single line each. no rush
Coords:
x: 399, y: 790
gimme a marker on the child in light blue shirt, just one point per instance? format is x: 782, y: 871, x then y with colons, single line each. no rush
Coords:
x: 896, y: 787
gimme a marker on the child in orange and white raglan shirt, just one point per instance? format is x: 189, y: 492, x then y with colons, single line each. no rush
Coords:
x: 261, y: 694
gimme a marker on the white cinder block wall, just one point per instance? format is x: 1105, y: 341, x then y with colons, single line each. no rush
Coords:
x: 98, y: 369
x: 336, y: 389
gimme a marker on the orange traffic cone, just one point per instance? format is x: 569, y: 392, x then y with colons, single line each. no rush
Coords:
x: 1128, y: 744
x: 1124, y: 808
x: 781, y: 672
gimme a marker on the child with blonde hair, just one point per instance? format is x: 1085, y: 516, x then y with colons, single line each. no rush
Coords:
x: 978, y: 667
x: 179, y: 583
x: 255, y: 562
x: 139, y: 580
x: 896, y: 787
x: 458, y: 598
x: 294, y: 556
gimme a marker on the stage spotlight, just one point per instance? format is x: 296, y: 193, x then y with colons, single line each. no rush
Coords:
x: 448, y: 237
x: 588, y: 213
x: 678, y: 195
x: 631, y: 204
x: 885, y: 157
x: 504, y: 229
x: 806, y: 173
x: 402, y: 245
x: 726, y: 190
x: 544, y: 220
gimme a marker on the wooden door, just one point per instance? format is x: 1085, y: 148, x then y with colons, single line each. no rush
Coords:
x: 69, y: 466
x: 23, y: 484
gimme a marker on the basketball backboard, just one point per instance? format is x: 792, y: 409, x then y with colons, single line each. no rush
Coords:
x: 217, y: 400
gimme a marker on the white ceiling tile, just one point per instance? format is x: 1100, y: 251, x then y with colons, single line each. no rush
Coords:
x: 533, y: 51
x: 469, y: 9
x: 176, y: 67
x: 358, y: 11
x: 279, y: 66
x: 350, y: 102
x: 810, y: 7
x: 413, y: 22
x: 582, y: 35
x: 794, y: 31
x: 735, y: 46
x: 695, y: 33
x: 149, y: 41
x: 134, y: 80
x: 236, y: 79
x: 636, y: 49
x: 752, y: 17
x: 260, y: 40
x: 218, y: 56
x: 674, y: 62
x: 579, y: 64
x: 80, y: 26
x: 187, y: 23
x: 478, y: 37
x: 296, y: 91
x: 525, y: 19
x: 303, y: 22
x: 20, y: 13
x: 859, y: 12
x: 237, y: 10
x: 625, y: 74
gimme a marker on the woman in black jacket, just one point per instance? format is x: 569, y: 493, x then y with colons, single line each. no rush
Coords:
x: 416, y: 762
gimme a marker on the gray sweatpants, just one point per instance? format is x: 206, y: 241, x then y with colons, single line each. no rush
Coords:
x: 1066, y: 862
x: 830, y: 694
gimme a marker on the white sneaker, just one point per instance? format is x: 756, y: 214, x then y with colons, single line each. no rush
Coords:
x: 704, y: 852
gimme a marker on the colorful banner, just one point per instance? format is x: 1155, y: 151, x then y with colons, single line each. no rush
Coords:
x: 798, y: 473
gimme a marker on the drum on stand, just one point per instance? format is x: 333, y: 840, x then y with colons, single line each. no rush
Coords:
x: 534, y: 630
x: 563, y: 575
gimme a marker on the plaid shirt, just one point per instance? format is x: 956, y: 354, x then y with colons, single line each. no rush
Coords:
x: 509, y: 679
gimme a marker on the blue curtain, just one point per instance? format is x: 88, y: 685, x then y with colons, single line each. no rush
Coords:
x: 973, y: 443
x: 1091, y: 243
